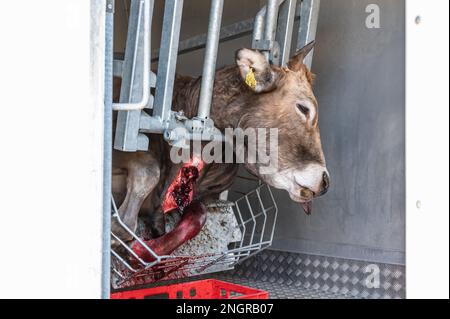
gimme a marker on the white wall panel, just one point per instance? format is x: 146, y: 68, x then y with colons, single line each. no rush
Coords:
x: 427, y: 132
x: 51, y: 134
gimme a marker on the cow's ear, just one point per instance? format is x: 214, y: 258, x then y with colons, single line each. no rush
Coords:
x: 296, y: 63
x: 255, y: 70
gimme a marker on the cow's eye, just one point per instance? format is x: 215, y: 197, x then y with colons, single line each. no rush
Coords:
x: 303, y: 109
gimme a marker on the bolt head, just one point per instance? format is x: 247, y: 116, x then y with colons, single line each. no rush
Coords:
x: 419, y: 204
x: 418, y: 20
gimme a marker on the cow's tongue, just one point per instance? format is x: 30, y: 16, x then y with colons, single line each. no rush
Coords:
x: 307, y: 207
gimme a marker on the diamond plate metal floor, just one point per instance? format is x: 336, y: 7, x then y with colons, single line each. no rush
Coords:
x: 299, y: 276
x: 329, y: 275
x: 281, y: 290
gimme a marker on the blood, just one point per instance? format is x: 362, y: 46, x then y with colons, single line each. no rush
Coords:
x: 180, y: 192
x: 179, y: 195
x: 192, y: 221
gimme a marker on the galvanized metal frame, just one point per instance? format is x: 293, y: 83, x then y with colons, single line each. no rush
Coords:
x: 230, y: 32
x: 273, y: 41
x: 135, y: 88
x: 209, y: 67
x: 265, y: 29
x: 285, y: 29
x: 173, y: 11
x: 107, y: 149
x: 308, y: 26
x: 255, y: 26
x: 143, y: 23
x: 270, y: 28
x: 258, y: 27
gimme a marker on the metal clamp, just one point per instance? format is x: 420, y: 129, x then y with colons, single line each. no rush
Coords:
x: 109, y: 6
x: 265, y: 29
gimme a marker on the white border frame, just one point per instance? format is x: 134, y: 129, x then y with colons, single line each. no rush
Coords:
x: 427, y: 155
x: 41, y: 266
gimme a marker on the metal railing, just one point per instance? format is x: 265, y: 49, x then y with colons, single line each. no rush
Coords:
x: 144, y: 22
x: 272, y: 34
x: 209, y: 67
x: 173, y: 11
x: 308, y: 26
x: 136, y: 78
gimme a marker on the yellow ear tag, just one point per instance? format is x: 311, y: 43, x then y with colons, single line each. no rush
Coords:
x: 250, y: 79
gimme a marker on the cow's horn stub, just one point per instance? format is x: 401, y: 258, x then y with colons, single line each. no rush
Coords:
x: 300, y: 55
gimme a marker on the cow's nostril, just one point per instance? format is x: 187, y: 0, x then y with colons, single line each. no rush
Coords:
x: 325, y: 182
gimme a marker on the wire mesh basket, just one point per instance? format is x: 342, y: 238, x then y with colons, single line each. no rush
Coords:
x: 255, y: 214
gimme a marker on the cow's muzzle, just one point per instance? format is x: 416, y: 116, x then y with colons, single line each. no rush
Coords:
x: 308, y: 195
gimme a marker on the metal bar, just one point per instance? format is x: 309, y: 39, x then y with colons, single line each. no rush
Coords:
x: 271, y: 19
x: 198, y: 42
x: 166, y: 67
x: 145, y: 7
x: 253, y: 219
x: 118, y: 72
x: 263, y: 213
x: 258, y: 27
x: 249, y: 247
x: 200, y: 265
x: 244, y: 229
x: 260, y: 249
x: 118, y: 273
x: 115, y: 254
x: 140, y: 241
x: 275, y: 213
x: 107, y: 150
x: 231, y: 253
x: 265, y: 28
x: 285, y: 29
x: 127, y: 137
x: 229, y: 32
x: 124, y: 245
x: 154, y: 125
x: 209, y: 66
x: 309, y: 16
x: 271, y: 23
x: 118, y: 68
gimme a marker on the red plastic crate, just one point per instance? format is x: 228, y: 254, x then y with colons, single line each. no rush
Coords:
x: 202, y: 289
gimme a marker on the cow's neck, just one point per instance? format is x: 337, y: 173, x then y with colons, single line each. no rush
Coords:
x: 230, y: 96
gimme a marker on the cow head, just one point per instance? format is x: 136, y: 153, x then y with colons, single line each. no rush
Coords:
x: 283, y: 98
